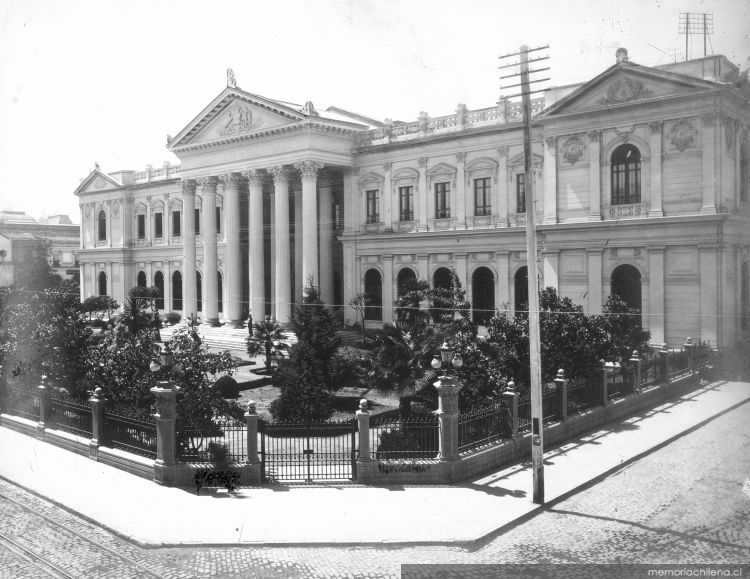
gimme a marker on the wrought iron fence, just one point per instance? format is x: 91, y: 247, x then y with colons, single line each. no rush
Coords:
x: 651, y: 370
x: 678, y: 363
x: 584, y: 393
x: 483, y: 426
x: 131, y: 434
x: 551, y: 410
x: 524, y: 412
x: 413, y: 437
x: 71, y: 417
x: 223, y: 441
x: 23, y: 403
x: 620, y: 381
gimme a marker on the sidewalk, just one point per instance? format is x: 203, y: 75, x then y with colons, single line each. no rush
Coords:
x: 355, y: 514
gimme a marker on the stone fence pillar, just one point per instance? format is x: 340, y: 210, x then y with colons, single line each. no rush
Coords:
x: 562, y: 393
x: 688, y: 345
x: 98, y: 430
x: 664, y: 362
x: 511, y: 398
x: 363, y: 429
x: 636, y: 361
x: 45, y: 407
x: 166, y: 439
x: 605, y: 378
x: 251, y: 421
x: 448, y: 388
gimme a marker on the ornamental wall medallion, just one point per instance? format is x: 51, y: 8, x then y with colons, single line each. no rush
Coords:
x: 116, y: 207
x: 573, y: 150
x: 682, y: 135
x: 98, y: 183
x: 625, y: 90
x: 729, y: 133
x: 87, y: 210
x: 239, y: 119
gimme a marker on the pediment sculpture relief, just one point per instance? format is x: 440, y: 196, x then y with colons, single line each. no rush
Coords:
x: 625, y: 90
x: 239, y: 119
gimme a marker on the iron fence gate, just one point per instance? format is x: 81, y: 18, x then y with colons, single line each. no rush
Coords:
x: 308, y: 451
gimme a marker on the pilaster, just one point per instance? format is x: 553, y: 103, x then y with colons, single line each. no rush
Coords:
x: 551, y: 264
x: 656, y: 293
x: 710, y: 176
x: 550, y: 180
x: 501, y: 196
x: 594, y: 258
x: 387, y: 198
x: 595, y: 213
x: 388, y: 285
x: 709, y: 282
x: 502, y: 288
x: 460, y: 203
x: 656, y: 169
x: 426, y: 205
x: 325, y: 198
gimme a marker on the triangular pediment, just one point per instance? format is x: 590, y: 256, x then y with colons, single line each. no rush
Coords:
x: 235, y: 113
x: 97, y: 181
x: 624, y: 84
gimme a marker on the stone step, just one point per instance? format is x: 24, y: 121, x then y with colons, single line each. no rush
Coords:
x: 223, y: 337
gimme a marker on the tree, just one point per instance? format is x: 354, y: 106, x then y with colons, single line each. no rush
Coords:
x: 99, y: 304
x: 267, y: 338
x: 307, y: 378
x: 140, y: 312
x: 359, y: 304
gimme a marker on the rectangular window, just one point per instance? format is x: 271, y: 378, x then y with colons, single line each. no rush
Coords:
x: 482, y: 196
x: 176, y: 222
x: 197, y: 221
x: 373, y: 208
x: 406, y: 203
x: 218, y: 220
x: 521, y: 193
x: 157, y: 225
x: 141, y: 226
x: 442, y: 200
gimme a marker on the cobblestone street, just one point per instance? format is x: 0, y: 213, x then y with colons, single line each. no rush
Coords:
x: 683, y: 503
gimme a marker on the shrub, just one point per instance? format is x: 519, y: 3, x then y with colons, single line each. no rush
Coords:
x: 173, y: 318
x: 227, y: 387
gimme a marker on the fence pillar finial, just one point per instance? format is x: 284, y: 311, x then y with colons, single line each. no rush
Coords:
x: 363, y: 420
x: 45, y: 407
x: 251, y: 421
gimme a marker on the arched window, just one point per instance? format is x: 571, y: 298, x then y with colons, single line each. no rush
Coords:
x: 405, y: 281
x: 442, y: 278
x: 626, y: 283
x: 626, y: 175
x: 744, y: 173
x: 374, y: 290
x: 141, y: 280
x: 521, y: 289
x: 483, y: 295
x: 177, y: 291
x: 220, y: 289
x: 159, y: 283
x: 198, y: 292
x: 102, y: 283
x: 745, y: 297
x: 102, y: 225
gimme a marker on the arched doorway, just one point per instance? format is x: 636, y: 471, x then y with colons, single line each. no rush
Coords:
x: 220, y: 287
x: 374, y: 290
x: 159, y: 283
x: 405, y: 280
x: 482, y: 295
x: 626, y: 283
x: 521, y: 289
x: 198, y: 292
x: 177, y: 291
x: 442, y: 278
x: 102, y: 283
x: 141, y: 280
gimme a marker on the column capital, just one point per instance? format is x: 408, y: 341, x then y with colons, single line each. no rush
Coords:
x: 208, y: 182
x: 309, y: 169
x: 280, y: 174
x: 656, y: 127
x: 387, y: 166
x: 594, y: 136
x: 422, y: 162
x: 230, y: 179
x: 551, y: 144
x: 254, y: 177
x: 460, y: 157
x: 708, y: 119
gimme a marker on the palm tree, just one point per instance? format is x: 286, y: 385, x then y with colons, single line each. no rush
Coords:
x: 268, y: 338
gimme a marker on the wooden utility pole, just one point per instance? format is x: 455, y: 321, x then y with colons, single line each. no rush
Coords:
x: 535, y: 360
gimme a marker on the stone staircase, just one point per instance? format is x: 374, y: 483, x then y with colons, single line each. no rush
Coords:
x: 222, y: 337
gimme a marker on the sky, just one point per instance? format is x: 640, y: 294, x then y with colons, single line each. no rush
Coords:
x: 106, y: 81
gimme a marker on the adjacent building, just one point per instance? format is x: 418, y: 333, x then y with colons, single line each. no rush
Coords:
x: 641, y: 179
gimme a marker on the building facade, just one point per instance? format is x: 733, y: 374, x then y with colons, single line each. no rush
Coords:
x: 641, y: 180
x: 22, y: 236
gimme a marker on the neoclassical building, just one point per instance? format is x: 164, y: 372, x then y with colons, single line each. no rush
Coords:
x: 641, y: 185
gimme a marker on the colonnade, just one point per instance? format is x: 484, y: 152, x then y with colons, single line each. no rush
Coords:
x: 315, y: 265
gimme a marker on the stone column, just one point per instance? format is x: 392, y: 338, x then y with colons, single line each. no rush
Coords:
x: 255, y: 244
x: 309, y: 172
x: 501, y: 195
x: 710, y: 175
x: 594, y: 257
x: 550, y: 180
x: 282, y: 262
x: 325, y: 214
x: 210, y: 258
x: 460, y: 191
x: 388, y: 296
x: 298, y: 242
x: 426, y: 205
x: 251, y: 421
x: 98, y: 431
x: 656, y: 293
x: 45, y: 408
x: 189, y: 304
x: 448, y: 388
x: 166, y: 439
x: 562, y: 392
x: 351, y: 285
x: 656, y: 167
x: 595, y: 213
x: 233, y: 269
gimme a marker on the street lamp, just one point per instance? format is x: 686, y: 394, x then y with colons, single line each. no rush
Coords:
x: 447, y: 357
